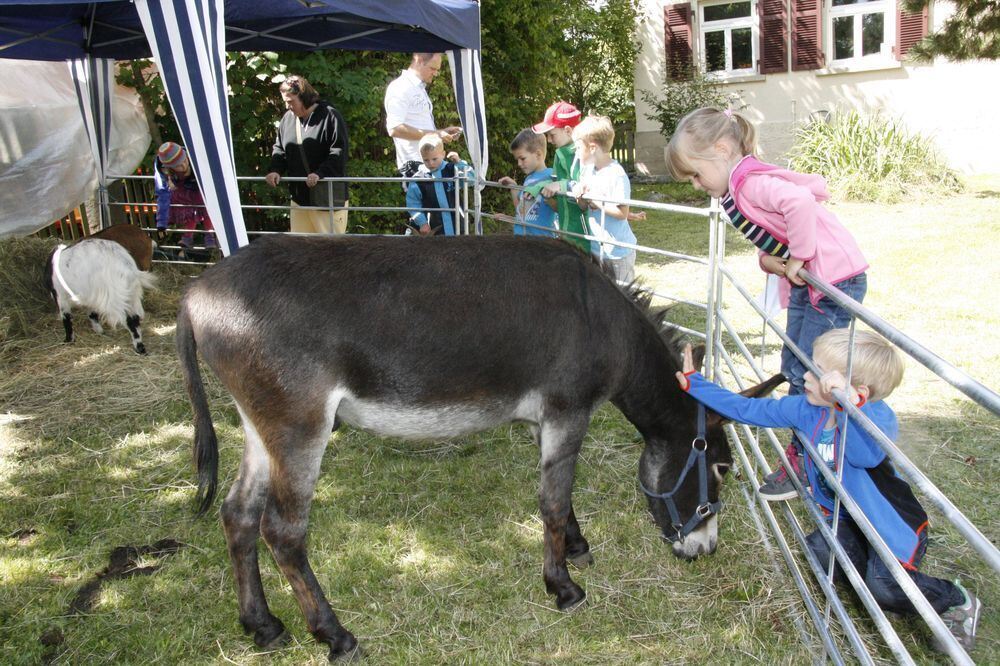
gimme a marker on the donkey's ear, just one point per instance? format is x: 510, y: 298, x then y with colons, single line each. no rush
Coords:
x: 698, y: 356
x: 765, y: 387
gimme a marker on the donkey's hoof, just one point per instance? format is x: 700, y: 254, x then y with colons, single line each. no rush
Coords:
x: 140, y: 349
x: 270, y: 635
x: 345, y: 648
x: 581, y: 560
x: 570, y: 597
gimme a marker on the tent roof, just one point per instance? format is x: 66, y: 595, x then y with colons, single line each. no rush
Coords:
x: 58, y: 29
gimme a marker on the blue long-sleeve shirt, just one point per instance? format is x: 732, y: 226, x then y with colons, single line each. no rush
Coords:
x: 439, y: 194
x: 869, y: 478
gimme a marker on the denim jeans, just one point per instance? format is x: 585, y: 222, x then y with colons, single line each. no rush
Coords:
x: 806, y: 323
x: 940, y: 593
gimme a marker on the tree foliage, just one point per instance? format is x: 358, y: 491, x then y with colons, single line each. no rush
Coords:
x: 532, y: 54
x: 679, y: 97
x: 605, y: 48
x: 971, y: 33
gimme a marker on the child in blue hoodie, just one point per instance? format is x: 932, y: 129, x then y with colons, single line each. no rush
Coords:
x: 868, y: 476
x: 421, y: 193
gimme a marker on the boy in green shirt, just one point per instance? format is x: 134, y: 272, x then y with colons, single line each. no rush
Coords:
x: 557, y: 126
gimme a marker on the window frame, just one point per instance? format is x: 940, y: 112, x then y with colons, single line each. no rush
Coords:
x: 726, y: 26
x: 830, y: 13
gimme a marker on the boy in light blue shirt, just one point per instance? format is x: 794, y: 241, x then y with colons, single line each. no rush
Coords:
x: 532, y: 209
x: 423, y: 193
x: 603, y: 178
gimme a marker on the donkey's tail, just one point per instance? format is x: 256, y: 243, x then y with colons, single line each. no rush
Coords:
x: 206, y: 447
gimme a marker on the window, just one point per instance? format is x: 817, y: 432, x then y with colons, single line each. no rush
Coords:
x: 728, y: 37
x: 858, y: 29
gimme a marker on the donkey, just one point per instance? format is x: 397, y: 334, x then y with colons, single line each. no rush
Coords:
x: 430, y: 338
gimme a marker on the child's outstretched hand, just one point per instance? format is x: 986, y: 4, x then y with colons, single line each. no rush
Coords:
x: 636, y: 217
x: 551, y: 190
x: 508, y: 181
x: 452, y: 157
x: 687, y: 367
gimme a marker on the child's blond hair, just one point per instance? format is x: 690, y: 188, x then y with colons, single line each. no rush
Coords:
x: 699, y: 131
x: 876, y: 362
x: 596, y: 129
x: 526, y: 139
x: 430, y: 142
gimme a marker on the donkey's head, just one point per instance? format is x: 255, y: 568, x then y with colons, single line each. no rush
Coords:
x: 681, y: 472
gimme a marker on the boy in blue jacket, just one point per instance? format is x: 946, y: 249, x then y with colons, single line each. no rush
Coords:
x: 868, y: 476
x: 434, y: 194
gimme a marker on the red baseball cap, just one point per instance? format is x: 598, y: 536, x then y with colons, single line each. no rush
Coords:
x: 560, y: 114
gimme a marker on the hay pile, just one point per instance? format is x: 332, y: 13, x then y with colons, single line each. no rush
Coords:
x: 23, y: 299
x: 98, y: 382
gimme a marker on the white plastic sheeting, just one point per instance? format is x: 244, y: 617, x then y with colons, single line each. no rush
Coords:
x: 46, y: 165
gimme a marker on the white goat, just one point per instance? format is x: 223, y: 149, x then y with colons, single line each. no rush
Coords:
x: 101, y: 276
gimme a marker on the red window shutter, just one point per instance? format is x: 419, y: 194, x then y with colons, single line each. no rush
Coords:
x: 807, y: 47
x: 677, y: 40
x: 773, y: 37
x: 911, y: 27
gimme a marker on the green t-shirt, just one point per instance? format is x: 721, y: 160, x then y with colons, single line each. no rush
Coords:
x: 571, y: 218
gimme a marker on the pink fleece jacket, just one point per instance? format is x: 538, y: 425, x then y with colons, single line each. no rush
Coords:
x: 787, y: 204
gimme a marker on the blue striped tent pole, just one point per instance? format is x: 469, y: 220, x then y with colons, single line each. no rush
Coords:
x: 467, y: 80
x: 94, y: 84
x: 187, y: 38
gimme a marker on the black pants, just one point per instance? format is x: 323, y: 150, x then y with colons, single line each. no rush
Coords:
x: 941, y: 593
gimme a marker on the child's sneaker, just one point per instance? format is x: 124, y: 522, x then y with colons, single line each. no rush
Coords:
x: 961, y: 620
x: 777, y: 486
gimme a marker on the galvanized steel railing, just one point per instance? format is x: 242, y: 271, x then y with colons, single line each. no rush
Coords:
x: 716, y: 354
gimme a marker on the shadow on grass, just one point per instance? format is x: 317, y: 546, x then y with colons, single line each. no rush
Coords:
x: 422, y: 548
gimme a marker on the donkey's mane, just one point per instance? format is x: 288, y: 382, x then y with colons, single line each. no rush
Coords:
x: 642, y: 299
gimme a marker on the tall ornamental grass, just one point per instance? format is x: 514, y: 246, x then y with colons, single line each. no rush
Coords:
x: 871, y: 158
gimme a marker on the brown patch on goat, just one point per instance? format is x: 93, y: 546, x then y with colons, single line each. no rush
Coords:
x: 133, y: 239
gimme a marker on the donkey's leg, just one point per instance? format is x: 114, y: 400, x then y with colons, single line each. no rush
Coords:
x: 561, y: 442
x: 295, y: 463
x: 132, y: 321
x: 241, y: 514
x: 577, y: 548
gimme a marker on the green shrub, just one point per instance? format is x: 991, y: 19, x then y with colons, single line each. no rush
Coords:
x: 678, y: 98
x: 871, y: 158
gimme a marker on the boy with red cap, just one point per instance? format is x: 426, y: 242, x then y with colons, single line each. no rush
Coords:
x: 557, y: 126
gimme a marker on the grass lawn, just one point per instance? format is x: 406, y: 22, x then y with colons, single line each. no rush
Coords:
x: 431, y: 552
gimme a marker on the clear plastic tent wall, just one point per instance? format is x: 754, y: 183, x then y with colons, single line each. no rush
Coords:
x: 46, y: 163
x: 189, y: 37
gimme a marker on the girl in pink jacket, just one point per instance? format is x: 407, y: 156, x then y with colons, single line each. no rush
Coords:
x: 780, y: 212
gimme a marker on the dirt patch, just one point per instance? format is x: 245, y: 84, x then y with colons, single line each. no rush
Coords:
x: 51, y: 639
x: 123, y: 563
x: 23, y: 536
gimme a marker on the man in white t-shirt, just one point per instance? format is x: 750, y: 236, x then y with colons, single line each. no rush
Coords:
x: 409, y: 114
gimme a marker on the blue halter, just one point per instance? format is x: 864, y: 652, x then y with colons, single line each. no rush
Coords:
x: 705, y: 508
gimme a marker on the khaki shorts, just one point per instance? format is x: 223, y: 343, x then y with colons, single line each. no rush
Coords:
x: 318, y: 221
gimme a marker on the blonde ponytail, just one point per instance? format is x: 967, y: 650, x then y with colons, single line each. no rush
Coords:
x: 701, y: 129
